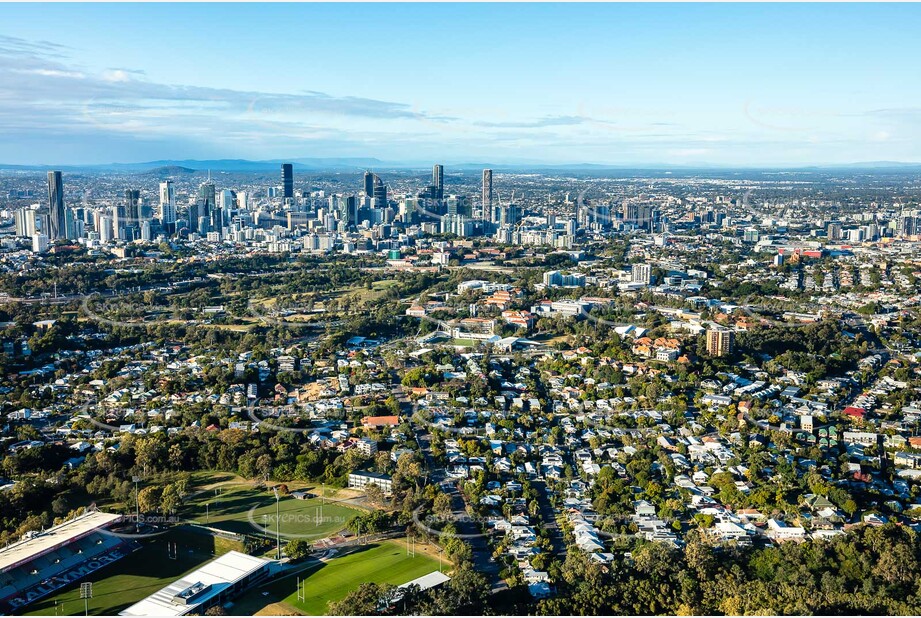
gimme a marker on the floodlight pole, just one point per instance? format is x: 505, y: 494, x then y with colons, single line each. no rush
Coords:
x: 86, y: 592
x: 137, y: 505
x: 277, y: 527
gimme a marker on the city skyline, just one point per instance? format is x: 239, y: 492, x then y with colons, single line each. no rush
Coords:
x: 749, y: 85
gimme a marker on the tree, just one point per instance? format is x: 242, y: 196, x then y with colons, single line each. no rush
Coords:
x: 466, y: 593
x: 59, y: 506
x: 264, y: 466
x: 366, y: 600
x: 374, y: 494
x: 443, y: 506
x: 147, y: 453
x: 297, y: 549
x: 170, y: 499
x: 149, y: 498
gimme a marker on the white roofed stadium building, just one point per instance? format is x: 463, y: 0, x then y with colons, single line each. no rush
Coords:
x: 43, y: 562
x: 213, y: 584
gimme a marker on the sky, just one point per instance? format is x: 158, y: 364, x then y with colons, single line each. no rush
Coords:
x: 622, y: 84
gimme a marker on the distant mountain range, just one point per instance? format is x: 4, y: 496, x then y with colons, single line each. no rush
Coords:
x: 244, y: 165
x: 188, y: 166
x: 168, y: 167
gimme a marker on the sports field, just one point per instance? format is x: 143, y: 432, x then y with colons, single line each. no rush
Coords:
x: 384, y: 562
x: 244, y: 510
x: 136, y: 576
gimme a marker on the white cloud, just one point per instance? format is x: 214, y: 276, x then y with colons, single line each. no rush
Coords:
x: 55, y: 73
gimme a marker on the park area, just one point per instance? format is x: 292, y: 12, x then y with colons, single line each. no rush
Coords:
x: 241, y: 508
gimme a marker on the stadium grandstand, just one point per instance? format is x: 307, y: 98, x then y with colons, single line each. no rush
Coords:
x: 43, y: 562
x: 215, y: 583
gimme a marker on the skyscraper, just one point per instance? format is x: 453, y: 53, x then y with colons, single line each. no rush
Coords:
x: 486, y: 199
x: 56, y: 206
x: 118, y: 222
x: 509, y: 215
x: 104, y: 228
x: 458, y: 205
x: 643, y: 216
x: 379, y: 192
x: 167, y: 204
x: 133, y: 206
x: 26, y: 222
x: 438, y: 181
x: 348, y: 210
x: 207, y: 201
x: 369, y: 184
x: 287, y: 180
x: 193, y: 218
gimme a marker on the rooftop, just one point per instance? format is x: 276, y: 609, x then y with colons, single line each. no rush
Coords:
x: 199, y: 586
x: 52, y: 538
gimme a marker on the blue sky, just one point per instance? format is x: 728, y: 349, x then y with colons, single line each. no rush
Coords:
x: 721, y: 84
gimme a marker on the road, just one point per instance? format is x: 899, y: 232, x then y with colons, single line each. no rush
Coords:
x: 479, y: 543
x: 548, y: 515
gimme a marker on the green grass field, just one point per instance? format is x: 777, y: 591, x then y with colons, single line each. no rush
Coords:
x: 467, y: 343
x: 384, y: 562
x: 244, y: 510
x: 378, y: 289
x: 136, y: 576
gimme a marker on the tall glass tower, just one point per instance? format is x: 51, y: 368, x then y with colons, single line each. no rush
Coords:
x: 56, y: 206
x: 287, y: 180
x: 486, y: 198
x: 438, y: 181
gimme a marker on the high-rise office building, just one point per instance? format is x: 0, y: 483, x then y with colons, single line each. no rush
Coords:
x: 287, y: 180
x: 458, y: 225
x: 379, y: 193
x: 56, y: 206
x: 192, y: 218
x: 458, y: 205
x: 369, y: 184
x: 348, y: 210
x: 27, y: 222
x: 509, y: 215
x: 220, y: 216
x: 105, y: 229
x: 167, y: 204
x: 486, y: 198
x: 207, y: 201
x: 39, y: 243
x: 207, y: 196
x: 146, y: 234
x: 227, y: 199
x: 641, y: 273
x: 118, y: 222
x: 720, y: 342
x: 643, y: 216
x: 73, y: 228
x: 133, y: 206
x: 438, y: 182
